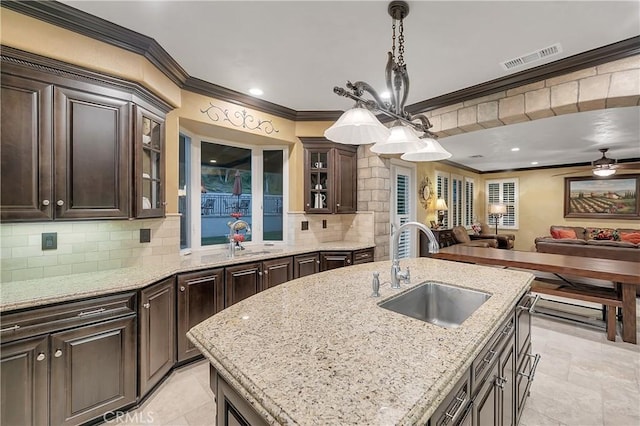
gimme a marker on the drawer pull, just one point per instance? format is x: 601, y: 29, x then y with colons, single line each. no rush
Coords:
x: 60, y: 203
x: 489, y: 356
x: 12, y: 328
x: 58, y: 353
x: 182, y: 288
x: 41, y: 356
x: 461, y: 401
x: 530, y: 308
x: 266, y: 272
x: 532, y: 373
x: 89, y: 313
x: 348, y: 261
x: 508, y: 328
x: 45, y: 202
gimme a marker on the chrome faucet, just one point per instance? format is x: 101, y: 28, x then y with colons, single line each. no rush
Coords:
x: 233, y: 227
x: 396, y: 272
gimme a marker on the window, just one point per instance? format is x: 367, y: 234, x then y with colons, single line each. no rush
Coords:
x: 230, y: 181
x: 457, y: 191
x: 503, y: 191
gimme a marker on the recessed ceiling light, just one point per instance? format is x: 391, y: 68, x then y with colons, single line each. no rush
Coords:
x: 534, y: 163
x: 385, y: 95
x: 213, y: 161
x: 255, y: 91
x: 515, y: 149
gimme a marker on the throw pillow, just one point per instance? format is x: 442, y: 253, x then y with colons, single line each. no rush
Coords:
x: 559, y: 234
x: 603, y: 234
x: 631, y: 237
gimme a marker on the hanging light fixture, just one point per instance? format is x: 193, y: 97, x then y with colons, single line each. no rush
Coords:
x: 409, y: 134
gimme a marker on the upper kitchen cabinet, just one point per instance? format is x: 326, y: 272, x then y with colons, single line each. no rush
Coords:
x: 329, y: 176
x: 91, y: 133
x: 26, y: 149
x: 76, y: 144
x: 149, y: 164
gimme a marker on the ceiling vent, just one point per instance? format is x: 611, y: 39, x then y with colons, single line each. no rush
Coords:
x: 531, y: 57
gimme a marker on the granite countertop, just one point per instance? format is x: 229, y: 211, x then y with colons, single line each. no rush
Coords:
x: 319, y: 349
x: 37, y: 292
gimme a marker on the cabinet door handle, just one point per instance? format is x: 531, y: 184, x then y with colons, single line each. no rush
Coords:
x: 182, y: 288
x: 41, y: 356
x: 318, y: 262
x: 532, y: 372
x: 266, y: 272
x: 94, y: 312
x: 500, y: 382
x: 338, y: 205
x: 60, y: 203
x: 259, y: 273
x: 146, y: 305
x: 308, y: 205
x: 530, y: 308
x: 12, y: 328
x: 45, y: 202
x: 348, y: 261
x: 58, y: 353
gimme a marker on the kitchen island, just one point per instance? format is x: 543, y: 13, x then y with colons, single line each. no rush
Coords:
x: 319, y: 349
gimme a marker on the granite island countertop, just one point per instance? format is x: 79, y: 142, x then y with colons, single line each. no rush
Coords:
x: 43, y: 291
x: 319, y: 349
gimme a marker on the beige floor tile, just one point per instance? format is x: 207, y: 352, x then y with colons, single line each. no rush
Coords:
x: 202, y: 416
x: 531, y: 417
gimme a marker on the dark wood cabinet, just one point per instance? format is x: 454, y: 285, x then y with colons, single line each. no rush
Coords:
x: 148, y: 197
x: 485, y: 403
x: 334, y: 259
x: 306, y: 264
x: 25, y: 382
x: 231, y: 408
x: 276, y: 271
x: 69, y: 363
x: 93, y: 370
x: 157, y: 327
x: 91, y: 142
x: 26, y: 149
x: 329, y: 176
x: 200, y: 295
x: 363, y: 256
x: 242, y: 281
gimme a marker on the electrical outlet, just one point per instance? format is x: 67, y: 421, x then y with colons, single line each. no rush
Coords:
x: 49, y: 240
x: 305, y: 225
x: 324, y: 223
x: 145, y: 235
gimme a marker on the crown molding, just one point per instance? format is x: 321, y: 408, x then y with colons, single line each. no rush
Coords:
x: 590, y: 58
x: 318, y: 115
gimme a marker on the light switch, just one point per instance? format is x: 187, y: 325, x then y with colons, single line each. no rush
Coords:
x: 49, y: 240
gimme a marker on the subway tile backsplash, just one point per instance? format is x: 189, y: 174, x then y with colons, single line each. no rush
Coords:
x: 84, y: 246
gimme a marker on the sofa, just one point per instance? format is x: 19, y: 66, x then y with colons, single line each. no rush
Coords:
x: 462, y: 237
x: 604, y: 243
x: 505, y: 241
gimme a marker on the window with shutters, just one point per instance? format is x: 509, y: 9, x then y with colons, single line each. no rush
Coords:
x: 403, y: 214
x: 442, y: 191
x: 457, y: 191
x: 469, y: 205
x: 503, y: 191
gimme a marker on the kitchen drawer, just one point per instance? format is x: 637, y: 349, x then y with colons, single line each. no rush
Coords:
x: 453, y: 408
x: 490, y: 353
x: 31, y: 322
x: 363, y: 256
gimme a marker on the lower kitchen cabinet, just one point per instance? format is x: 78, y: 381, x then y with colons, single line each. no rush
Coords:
x: 363, y: 256
x: 306, y: 264
x: 157, y: 330
x: 25, y: 382
x: 276, y: 271
x: 93, y: 370
x: 70, y: 363
x: 200, y: 295
x: 242, y: 281
x: 334, y: 259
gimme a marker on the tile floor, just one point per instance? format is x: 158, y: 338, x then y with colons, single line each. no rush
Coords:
x: 582, y: 380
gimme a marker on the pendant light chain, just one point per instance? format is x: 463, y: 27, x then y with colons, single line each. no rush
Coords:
x: 401, y: 44
x: 393, y: 41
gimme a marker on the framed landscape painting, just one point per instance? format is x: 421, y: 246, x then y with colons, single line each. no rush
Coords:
x: 612, y: 198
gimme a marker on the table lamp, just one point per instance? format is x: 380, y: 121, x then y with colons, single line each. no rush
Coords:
x: 441, y: 207
x: 497, y: 211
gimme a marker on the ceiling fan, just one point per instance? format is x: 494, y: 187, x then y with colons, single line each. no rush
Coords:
x: 605, y: 166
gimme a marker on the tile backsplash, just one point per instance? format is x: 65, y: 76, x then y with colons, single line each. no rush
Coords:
x: 84, y: 246
x: 356, y: 227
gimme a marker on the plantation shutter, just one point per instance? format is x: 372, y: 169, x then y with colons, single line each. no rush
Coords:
x: 402, y: 213
x: 469, y: 212
x: 442, y: 191
x: 503, y: 191
x: 456, y: 201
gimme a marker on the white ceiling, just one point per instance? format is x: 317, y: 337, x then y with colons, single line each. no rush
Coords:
x: 297, y: 51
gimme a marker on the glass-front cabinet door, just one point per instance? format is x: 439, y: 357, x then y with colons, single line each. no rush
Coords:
x: 318, y: 196
x: 149, y: 188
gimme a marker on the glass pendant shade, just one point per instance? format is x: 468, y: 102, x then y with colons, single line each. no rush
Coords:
x: 604, y: 171
x: 402, y: 139
x: 357, y: 126
x: 431, y: 151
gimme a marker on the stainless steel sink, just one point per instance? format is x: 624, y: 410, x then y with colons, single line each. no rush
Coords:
x: 440, y: 304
